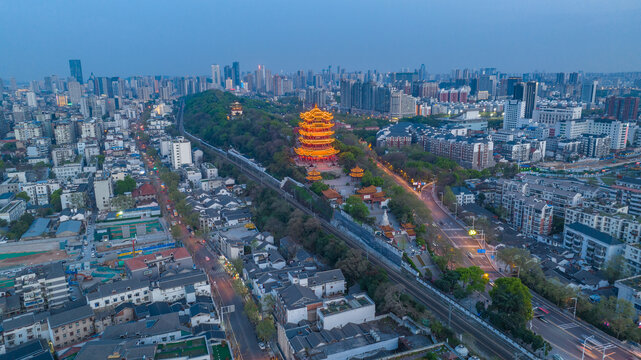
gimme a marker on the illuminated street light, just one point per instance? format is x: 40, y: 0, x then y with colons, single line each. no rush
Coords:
x: 472, y: 232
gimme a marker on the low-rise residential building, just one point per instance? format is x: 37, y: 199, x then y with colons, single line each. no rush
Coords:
x: 326, y: 283
x: 463, y: 195
x: 151, y: 330
x: 629, y: 289
x: 71, y: 326
x: 74, y: 196
x: 152, y: 265
x: 296, y: 303
x: 40, y: 192
x: 23, y: 328
x: 118, y: 292
x: 339, y: 312
x: 13, y: 210
x: 591, y: 245
x: 144, y: 192
x: 352, y: 341
x: 184, y: 285
x: 209, y: 170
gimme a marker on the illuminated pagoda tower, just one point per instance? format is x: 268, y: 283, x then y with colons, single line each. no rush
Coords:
x: 236, y: 109
x: 316, y: 136
x: 313, y: 175
x: 356, y: 173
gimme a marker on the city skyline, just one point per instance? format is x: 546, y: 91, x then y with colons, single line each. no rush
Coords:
x: 560, y: 37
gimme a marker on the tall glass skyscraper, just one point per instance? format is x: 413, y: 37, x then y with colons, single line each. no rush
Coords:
x: 76, y: 70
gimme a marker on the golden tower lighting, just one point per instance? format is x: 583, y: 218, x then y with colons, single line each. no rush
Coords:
x: 356, y: 173
x: 313, y: 175
x: 316, y: 136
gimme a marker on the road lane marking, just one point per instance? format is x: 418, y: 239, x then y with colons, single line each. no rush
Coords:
x: 568, y: 326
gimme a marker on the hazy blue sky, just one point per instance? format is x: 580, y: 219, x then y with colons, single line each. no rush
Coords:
x: 184, y: 37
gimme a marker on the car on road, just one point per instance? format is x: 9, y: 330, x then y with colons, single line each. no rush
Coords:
x: 469, y: 254
x: 557, y: 357
x: 206, y: 258
x: 262, y: 346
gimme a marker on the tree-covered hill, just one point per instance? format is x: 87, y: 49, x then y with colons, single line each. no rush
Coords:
x: 264, y: 131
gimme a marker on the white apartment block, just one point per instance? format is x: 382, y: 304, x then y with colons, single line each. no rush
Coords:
x: 116, y: 293
x: 180, y: 152
x: 26, y: 131
x: 103, y: 191
x: 617, y: 130
x: 181, y: 286
x: 89, y: 129
x: 591, y: 245
x: 622, y: 226
x: 529, y: 215
x: 13, y: 210
x: 513, y: 111
x: 63, y: 133
x: 552, y: 115
x: 23, y: 328
x: 209, y: 171
x: 632, y: 257
x: 571, y: 129
x: 39, y: 192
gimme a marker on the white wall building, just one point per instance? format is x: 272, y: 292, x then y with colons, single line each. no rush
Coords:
x: 110, y: 295
x: 103, y: 191
x: 617, y: 130
x: 552, y: 115
x: 591, y: 245
x: 180, y: 152
x: 356, y: 309
x: 513, y: 111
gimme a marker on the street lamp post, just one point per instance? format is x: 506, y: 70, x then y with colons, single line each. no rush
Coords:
x: 585, y: 341
x: 576, y: 300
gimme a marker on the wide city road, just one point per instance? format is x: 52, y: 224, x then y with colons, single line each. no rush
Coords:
x: 558, y: 327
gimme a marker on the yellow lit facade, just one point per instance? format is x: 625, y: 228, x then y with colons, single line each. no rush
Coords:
x: 313, y: 175
x: 316, y: 136
x: 356, y: 172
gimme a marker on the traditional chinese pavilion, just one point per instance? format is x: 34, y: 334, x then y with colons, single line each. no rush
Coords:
x: 313, y: 175
x: 356, y: 173
x: 316, y: 136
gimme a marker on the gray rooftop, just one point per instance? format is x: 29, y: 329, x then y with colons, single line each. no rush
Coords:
x: 153, y: 325
x: 69, y: 316
x: 594, y: 233
x: 23, y: 320
x: 295, y: 296
x: 324, y: 277
x: 182, y: 279
x: 102, y: 349
x: 117, y: 287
